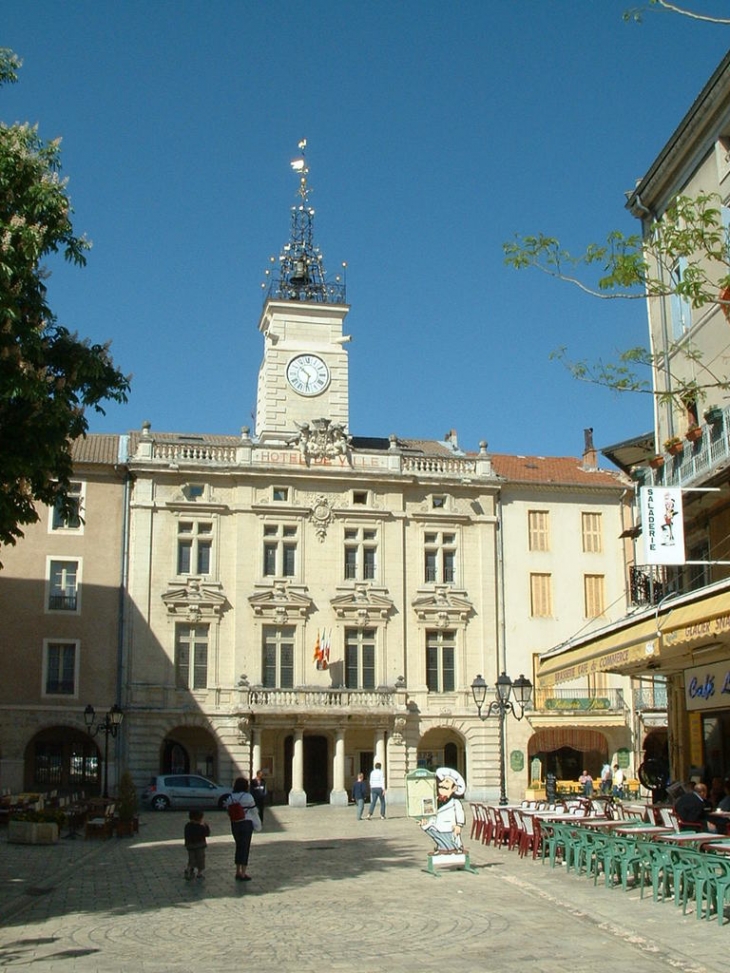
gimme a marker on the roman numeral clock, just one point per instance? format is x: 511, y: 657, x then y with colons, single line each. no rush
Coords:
x: 308, y: 374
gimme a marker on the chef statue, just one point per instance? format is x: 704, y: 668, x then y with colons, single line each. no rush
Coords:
x: 445, y: 826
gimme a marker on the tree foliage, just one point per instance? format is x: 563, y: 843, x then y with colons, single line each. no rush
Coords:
x: 690, y: 235
x: 637, y: 13
x: 49, y: 377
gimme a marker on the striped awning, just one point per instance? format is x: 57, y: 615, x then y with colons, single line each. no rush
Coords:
x: 552, y: 738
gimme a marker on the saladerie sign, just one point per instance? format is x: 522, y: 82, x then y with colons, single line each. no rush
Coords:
x: 662, y: 525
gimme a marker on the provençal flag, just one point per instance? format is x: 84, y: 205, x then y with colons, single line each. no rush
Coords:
x: 318, y: 651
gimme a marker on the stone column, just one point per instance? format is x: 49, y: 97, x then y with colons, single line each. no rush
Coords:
x: 255, y: 751
x: 338, y: 795
x: 379, y: 749
x: 297, y: 794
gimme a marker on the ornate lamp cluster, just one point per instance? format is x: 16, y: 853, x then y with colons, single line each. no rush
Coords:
x: 109, y: 726
x: 500, y: 706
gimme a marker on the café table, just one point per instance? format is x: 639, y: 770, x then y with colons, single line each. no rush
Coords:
x: 652, y: 830
x: 75, y: 818
x: 717, y: 847
x: 688, y: 837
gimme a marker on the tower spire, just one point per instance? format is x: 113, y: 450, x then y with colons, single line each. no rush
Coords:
x: 301, y: 275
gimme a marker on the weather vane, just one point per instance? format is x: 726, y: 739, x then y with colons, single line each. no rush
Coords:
x: 300, y: 165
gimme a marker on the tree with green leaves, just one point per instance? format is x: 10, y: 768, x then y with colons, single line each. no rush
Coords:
x: 632, y: 267
x: 49, y: 377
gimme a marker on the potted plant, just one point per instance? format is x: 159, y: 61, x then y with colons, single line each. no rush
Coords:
x: 656, y: 462
x: 127, y: 806
x: 693, y: 433
x: 35, y: 827
x: 724, y: 300
x: 713, y: 415
x: 674, y: 445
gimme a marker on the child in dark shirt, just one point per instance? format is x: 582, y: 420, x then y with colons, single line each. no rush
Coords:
x: 196, y: 831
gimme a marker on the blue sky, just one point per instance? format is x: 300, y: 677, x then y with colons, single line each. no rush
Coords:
x: 436, y: 132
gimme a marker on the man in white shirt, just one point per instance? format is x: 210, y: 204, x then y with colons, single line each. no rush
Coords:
x: 377, y: 791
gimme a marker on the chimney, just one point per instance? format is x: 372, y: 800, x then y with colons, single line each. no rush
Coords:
x: 452, y: 439
x: 590, y: 458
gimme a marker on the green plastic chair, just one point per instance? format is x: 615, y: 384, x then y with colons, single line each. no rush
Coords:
x: 654, y: 864
x: 620, y: 860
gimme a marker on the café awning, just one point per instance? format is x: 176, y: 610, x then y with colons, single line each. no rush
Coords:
x: 553, y: 738
x: 657, y: 638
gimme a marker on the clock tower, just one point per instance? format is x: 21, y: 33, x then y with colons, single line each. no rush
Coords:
x: 303, y: 379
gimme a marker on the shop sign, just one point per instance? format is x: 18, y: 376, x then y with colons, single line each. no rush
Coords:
x: 707, y: 687
x: 662, y: 525
x: 706, y: 628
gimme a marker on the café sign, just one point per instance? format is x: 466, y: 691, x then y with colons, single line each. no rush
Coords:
x: 707, y: 687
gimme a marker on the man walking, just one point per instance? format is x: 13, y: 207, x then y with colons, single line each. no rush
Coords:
x: 359, y: 793
x: 377, y: 791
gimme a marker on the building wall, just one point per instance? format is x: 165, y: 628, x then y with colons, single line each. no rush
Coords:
x: 30, y: 625
x: 240, y: 505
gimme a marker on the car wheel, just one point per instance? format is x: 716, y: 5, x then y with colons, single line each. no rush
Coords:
x: 160, y: 803
x: 222, y: 801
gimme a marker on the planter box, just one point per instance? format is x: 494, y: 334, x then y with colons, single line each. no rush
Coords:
x: 32, y: 832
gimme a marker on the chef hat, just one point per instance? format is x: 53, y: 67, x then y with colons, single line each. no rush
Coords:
x: 455, y: 776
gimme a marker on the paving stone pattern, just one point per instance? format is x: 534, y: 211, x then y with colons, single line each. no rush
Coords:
x: 328, y: 893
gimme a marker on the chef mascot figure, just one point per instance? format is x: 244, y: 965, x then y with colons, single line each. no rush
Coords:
x: 445, y: 826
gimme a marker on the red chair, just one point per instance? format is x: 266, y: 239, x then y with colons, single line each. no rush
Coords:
x: 530, y: 837
x: 478, y: 820
x: 490, y: 825
x: 516, y: 829
x: 504, y: 829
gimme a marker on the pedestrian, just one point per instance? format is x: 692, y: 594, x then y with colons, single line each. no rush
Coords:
x: 196, y: 833
x: 245, y: 820
x: 586, y: 782
x: 377, y: 791
x: 259, y: 792
x: 606, y: 779
x: 618, y: 781
x: 692, y: 809
x: 359, y: 794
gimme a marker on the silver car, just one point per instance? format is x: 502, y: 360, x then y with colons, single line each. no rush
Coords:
x: 184, y: 790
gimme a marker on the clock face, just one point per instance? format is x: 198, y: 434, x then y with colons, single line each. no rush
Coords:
x: 307, y: 374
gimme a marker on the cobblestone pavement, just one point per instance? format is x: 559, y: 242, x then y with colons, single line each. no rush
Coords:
x: 328, y: 893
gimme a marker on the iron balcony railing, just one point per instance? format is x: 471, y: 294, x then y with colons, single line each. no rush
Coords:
x: 650, y: 697
x: 648, y: 584
x: 62, y: 602
x: 699, y: 457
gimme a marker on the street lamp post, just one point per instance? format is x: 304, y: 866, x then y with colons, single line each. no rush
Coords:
x: 109, y: 727
x: 500, y: 706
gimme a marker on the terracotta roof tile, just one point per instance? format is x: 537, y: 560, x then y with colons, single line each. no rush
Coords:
x: 562, y: 470
x: 96, y: 448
